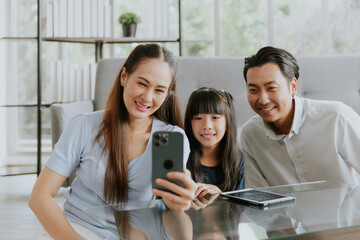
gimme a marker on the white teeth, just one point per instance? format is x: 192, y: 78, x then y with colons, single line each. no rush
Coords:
x: 141, y: 105
x: 207, y: 135
x: 267, y: 109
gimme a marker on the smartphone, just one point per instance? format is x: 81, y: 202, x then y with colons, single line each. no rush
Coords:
x: 257, y: 197
x: 167, y: 156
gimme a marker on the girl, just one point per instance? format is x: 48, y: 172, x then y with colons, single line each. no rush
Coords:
x: 111, y: 149
x: 215, y: 158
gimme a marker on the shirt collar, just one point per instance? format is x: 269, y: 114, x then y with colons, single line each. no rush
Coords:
x: 295, y: 124
x: 297, y: 121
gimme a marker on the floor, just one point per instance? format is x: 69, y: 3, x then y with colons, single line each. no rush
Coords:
x: 17, y: 169
x: 17, y: 221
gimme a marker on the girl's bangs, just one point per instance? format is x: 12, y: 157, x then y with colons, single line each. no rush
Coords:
x: 206, y: 102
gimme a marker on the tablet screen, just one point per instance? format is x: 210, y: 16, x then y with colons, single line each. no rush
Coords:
x: 257, y: 195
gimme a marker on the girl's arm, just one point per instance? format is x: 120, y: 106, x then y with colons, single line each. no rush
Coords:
x: 45, y: 207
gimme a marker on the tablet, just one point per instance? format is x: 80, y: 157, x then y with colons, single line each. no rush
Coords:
x: 257, y: 197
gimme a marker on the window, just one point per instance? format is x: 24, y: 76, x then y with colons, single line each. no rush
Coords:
x: 209, y: 28
x: 18, y: 81
x: 305, y: 28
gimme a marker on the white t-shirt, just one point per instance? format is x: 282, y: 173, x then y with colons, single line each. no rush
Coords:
x: 76, y: 149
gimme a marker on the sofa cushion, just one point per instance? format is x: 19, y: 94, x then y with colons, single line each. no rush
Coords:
x: 331, y: 78
x: 325, y: 77
x: 107, y: 71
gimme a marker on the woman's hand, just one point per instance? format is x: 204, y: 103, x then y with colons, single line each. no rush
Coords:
x: 205, y: 195
x: 181, y: 197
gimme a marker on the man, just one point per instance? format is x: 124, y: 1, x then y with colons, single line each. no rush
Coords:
x: 294, y: 139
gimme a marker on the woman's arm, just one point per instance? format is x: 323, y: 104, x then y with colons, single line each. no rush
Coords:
x: 45, y: 207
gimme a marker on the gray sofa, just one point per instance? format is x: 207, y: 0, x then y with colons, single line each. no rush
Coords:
x: 327, y: 77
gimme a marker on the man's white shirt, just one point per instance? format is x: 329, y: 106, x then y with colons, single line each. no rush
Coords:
x: 323, y: 144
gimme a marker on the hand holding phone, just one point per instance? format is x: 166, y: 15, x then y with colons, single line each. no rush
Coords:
x: 167, y: 155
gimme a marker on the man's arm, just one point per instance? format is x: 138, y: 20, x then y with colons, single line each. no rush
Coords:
x: 253, y: 174
x: 348, y: 140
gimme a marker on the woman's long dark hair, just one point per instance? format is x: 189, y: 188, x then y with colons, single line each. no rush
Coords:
x: 212, y: 101
x: 116, y: 118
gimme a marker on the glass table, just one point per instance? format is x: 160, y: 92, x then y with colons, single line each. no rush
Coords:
x: 322, y: 209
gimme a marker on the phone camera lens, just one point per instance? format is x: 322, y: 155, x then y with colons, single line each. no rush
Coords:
x: 168, y: 164
x: 157, y: 144
x: 157, y: 136
x: 164, y: 140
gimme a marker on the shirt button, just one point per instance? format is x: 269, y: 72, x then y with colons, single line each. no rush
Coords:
x: 294, y: 158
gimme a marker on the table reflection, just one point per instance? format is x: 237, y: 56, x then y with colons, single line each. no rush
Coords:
x: 155, y: 222
x: 319, y: 206
x: 218, y: 220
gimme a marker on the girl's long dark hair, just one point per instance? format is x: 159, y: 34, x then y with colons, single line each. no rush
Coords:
x: 212, y: 101
x: 113, y: 128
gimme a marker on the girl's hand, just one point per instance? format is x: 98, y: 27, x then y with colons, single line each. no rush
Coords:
x: 204, y: 189
x: 181, y: 197
x: 205, y: 195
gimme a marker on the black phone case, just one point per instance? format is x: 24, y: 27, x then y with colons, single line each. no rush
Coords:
x: 167, y: 155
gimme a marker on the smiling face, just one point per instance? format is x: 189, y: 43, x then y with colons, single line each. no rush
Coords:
x: 208, y: 129
x: 270, y: 95
x: 146, y: 88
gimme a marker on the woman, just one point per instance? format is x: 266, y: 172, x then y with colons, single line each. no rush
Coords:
x: 111, y: 149
x: 215, y: 159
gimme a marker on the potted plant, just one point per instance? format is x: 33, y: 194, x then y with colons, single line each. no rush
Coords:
x: 129, y: 22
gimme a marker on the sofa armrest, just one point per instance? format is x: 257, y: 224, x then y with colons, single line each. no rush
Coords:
x: 62, y: 113
x: 60, y: 116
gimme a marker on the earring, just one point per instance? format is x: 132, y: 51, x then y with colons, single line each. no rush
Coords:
x: 121, y: 84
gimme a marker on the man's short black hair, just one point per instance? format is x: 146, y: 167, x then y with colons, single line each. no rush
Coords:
x: 285, y: 60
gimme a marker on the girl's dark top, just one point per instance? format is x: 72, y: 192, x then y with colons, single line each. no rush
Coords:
x: 213, y: 175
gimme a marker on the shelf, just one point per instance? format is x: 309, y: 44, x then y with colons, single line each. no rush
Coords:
x: 18, y: 38
x: 98, y: 43
x: 46, y: 105
x: 109, y: 40
x: 19, y: 105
